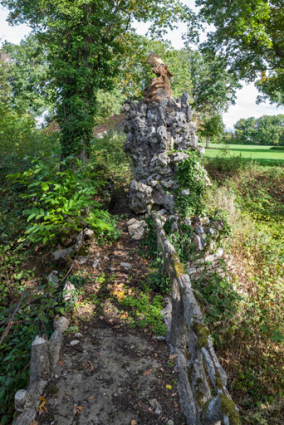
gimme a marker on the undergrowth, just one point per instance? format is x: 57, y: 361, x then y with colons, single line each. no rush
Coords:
x: 253, y: 197
x: 42, y: 207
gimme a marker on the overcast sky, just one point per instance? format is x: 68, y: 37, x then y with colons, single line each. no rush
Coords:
x: 245, y: 104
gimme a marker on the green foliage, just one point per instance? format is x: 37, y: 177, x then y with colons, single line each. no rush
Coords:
x: 146, y: 312
x: 190, y: 175
x: 159, y: 283
x: 28, y: 76
x: 108, y: 103
x: 213, y: 87
x: 265, y: 130
x: 181, y: 240
x: 254, y: 200
x: 221, y: 303
x: 225, y: 164
x: 84, y: 39
x: 112, y: 162
x: 250, y: 34
x: 211, y: 126
x: 61, y: 202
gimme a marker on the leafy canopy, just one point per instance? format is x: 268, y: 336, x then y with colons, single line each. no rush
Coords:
x: 84, y: 38
x: 251, y: 36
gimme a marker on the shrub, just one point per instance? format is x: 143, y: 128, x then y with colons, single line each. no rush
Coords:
x: 277, y: 148
x: 61, y: 202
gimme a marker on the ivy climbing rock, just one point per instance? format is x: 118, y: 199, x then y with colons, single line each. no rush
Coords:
x: 158, y: 137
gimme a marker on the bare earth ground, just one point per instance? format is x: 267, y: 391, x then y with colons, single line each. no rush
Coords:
x: 114, y: 375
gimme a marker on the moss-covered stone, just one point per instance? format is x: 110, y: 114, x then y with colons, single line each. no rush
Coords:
x: 228, y: 407
x: 205, y: 407
x: 218, y: 380
x: 198, y: 393
x: 202, y: 333
x: 52, y: 390
x: 177, y: 266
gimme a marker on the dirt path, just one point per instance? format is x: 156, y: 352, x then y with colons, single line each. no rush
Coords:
x: 114, y: 374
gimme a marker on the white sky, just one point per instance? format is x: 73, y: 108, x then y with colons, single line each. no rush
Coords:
x: 245, y: 104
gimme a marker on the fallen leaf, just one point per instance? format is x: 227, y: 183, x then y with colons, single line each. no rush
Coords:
x: 92, y: 397
x: 58, y: 395
x: 34, y: 422
x: 77, y: 410
x: 133, y: 422
x: 175, y: 403
x: 41, y: 407
x: 174, y: 394
x: 156, y: 355
x: 148, y: 372
x: 67, y: 393
x: 60, y: 362
x: 173, y: 356
x: 169, y: 387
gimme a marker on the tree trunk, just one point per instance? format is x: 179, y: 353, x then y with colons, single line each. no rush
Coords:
x: 207, y: 141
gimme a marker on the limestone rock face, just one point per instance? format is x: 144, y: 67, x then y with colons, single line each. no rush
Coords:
x: 154, y: 130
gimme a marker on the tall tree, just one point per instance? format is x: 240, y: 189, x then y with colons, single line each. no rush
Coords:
x: 213, y: 90
x: 212, y: 126
x: 135, y: 73
x: 83, y: 39
x: 28, y: 76
x: 251, y: 35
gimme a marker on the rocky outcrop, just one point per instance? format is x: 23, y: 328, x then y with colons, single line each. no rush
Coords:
x: 157, y: 135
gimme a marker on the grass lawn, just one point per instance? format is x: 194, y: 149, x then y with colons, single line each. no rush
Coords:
x: 261, y: 154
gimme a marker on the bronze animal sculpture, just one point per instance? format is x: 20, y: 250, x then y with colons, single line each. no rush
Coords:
x: 159, y: 87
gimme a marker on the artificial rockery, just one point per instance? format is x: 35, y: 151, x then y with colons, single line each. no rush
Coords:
x: 159, y: 131
x: 169, y: 182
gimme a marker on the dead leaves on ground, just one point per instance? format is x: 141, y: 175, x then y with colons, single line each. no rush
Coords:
x: 77, y: 410
x: 118, y: 291
x: 147, y: 373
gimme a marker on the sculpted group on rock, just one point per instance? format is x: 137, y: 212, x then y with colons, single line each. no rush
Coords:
x: 159, y: 129
x: 160, y: 87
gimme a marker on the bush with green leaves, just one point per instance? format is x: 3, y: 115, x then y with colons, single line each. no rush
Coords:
x: 190, y: 175
x: 61, y: 200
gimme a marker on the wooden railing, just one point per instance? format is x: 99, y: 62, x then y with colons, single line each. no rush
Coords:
x: 204, y: 397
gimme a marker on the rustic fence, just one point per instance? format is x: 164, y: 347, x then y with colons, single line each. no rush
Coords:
x: 204, y: 397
